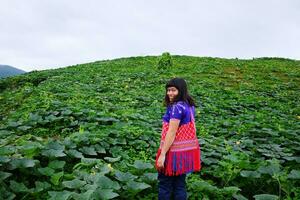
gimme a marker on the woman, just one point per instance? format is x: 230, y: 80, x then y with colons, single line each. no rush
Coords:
x: 179, y: 150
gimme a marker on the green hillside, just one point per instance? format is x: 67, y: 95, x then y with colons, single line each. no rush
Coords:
x: 91, y: 131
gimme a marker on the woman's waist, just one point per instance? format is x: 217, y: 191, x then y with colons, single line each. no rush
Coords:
x: 182, y: 143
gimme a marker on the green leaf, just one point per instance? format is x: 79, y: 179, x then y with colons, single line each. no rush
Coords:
x: 150, y: 176
x: 294, y: 174
x: 4, y: 159
x: 105, y: 194
x: 66, y: 112
x: 69, y: 143
x: 239, y: 197
x: 57, y: 164
x: 204, y: 186
x: 106, y: 120
x: 232, y: 158
x: 6, y: 194
x: 112, y: 160
x: 124, y: 177
x: 74, y: 184
x: 90, y: 161
x: 13, y: 124
x: 106, y: 183
x: 55, y: 179
x: 24, y: 128
x: 230, y: 190
x: 265, y: 197
x: 92, y: 187
x: 136, y: 186
x: 99, y: 149
x: 88, y: 151
x: 54, y: 145
x: 47, y: 171
x: 86, y: 162
x: 271, y: 169
x: 53, y: 153
x: 250, y: 174
x: 83, y: 196
x: 22, y: 163
x: 104, y: 170
x: 209, y: 161
x: 74, y: 153
x: 30, y: 149
x: 121, y: 141
x: 4, y: 175
x: 7, y: 150
x: 17, y: 187
x: 69, y: 176
x: 297, y: 159
x: 34, y: 117
x: 64, y: 195
x: 40, y: 186
x: 138, y: 164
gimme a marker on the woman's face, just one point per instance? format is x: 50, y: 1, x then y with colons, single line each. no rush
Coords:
x: 172, y: 92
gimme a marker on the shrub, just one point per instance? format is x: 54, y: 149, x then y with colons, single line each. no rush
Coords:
x: 165, y: 61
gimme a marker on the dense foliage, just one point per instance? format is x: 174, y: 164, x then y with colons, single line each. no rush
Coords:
x: 91, y: 131
x: 165, y: 61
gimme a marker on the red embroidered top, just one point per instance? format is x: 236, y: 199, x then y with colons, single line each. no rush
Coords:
x: 184, y: 154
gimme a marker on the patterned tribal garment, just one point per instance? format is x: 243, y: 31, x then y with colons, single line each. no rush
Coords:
x: 184, y: 153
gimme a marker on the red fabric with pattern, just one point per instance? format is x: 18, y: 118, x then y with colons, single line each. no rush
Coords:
x: 184, y: 153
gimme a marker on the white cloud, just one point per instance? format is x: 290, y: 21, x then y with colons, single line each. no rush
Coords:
x: 50, y: 34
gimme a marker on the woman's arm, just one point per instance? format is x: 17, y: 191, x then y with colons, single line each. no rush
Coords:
x: 170, y: 136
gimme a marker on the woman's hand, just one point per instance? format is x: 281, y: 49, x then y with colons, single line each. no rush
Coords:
x: 161, y: 161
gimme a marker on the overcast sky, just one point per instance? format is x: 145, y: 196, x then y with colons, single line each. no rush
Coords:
x: 46, y: 34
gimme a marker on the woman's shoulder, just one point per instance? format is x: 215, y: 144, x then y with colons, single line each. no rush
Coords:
x: 180, y: 104
x: 183, y: 103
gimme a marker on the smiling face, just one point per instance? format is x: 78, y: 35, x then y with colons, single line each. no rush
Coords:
x: 172, y: 92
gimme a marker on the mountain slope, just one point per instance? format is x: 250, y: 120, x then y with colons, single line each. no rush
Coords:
x: 6, y: 71
x: 108, y: 114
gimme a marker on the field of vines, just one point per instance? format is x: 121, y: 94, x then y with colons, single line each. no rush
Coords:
x: 91, y: 131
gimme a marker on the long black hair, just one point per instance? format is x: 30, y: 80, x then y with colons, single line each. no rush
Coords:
x: 183, y: 94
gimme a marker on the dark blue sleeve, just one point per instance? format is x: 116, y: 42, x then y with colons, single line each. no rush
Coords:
x: 177, y: 111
